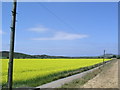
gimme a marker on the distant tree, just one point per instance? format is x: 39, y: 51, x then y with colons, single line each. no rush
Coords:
x: 118, y: 56
x: 98, y: 57
x: 114, y: 56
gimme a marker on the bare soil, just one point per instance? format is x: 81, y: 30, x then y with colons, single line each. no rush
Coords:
x: 108, y: 78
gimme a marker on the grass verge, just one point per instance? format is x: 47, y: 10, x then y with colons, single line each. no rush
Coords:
x: 79, y: 82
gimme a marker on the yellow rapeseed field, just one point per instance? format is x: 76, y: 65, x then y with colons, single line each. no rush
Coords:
x: 27, y: 69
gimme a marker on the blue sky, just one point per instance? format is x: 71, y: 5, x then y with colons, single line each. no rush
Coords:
x: 62, y: 28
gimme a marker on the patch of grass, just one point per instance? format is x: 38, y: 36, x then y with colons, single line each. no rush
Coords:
x: 79, y: 82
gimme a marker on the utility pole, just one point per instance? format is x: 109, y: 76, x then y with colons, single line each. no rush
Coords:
x: 12, y: 39
x: 104, y: 57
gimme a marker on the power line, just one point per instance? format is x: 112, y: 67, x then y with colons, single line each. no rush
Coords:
x: 68, y: 25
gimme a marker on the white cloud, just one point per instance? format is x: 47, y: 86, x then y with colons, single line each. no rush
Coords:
x: 1, y: 32
x: 38, y: 29
x: 63, y: 36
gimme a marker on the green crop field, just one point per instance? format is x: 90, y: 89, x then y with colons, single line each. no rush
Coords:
x: 34, y: 72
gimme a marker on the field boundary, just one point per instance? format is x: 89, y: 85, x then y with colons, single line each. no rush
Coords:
x: 79, y: 83
x: 60, y: 82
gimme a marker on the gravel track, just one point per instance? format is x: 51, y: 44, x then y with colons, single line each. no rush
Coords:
x: 108, y: 78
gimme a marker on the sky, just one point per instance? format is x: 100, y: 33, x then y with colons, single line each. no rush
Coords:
x: 62, y: 28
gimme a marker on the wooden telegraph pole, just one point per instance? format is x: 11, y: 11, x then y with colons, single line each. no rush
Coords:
x: 12, y: 39
x: 104, y: 57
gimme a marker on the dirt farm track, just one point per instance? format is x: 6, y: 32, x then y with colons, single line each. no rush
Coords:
x: 108, y: 78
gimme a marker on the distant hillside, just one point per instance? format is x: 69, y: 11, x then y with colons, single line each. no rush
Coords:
x: 5, y: 55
